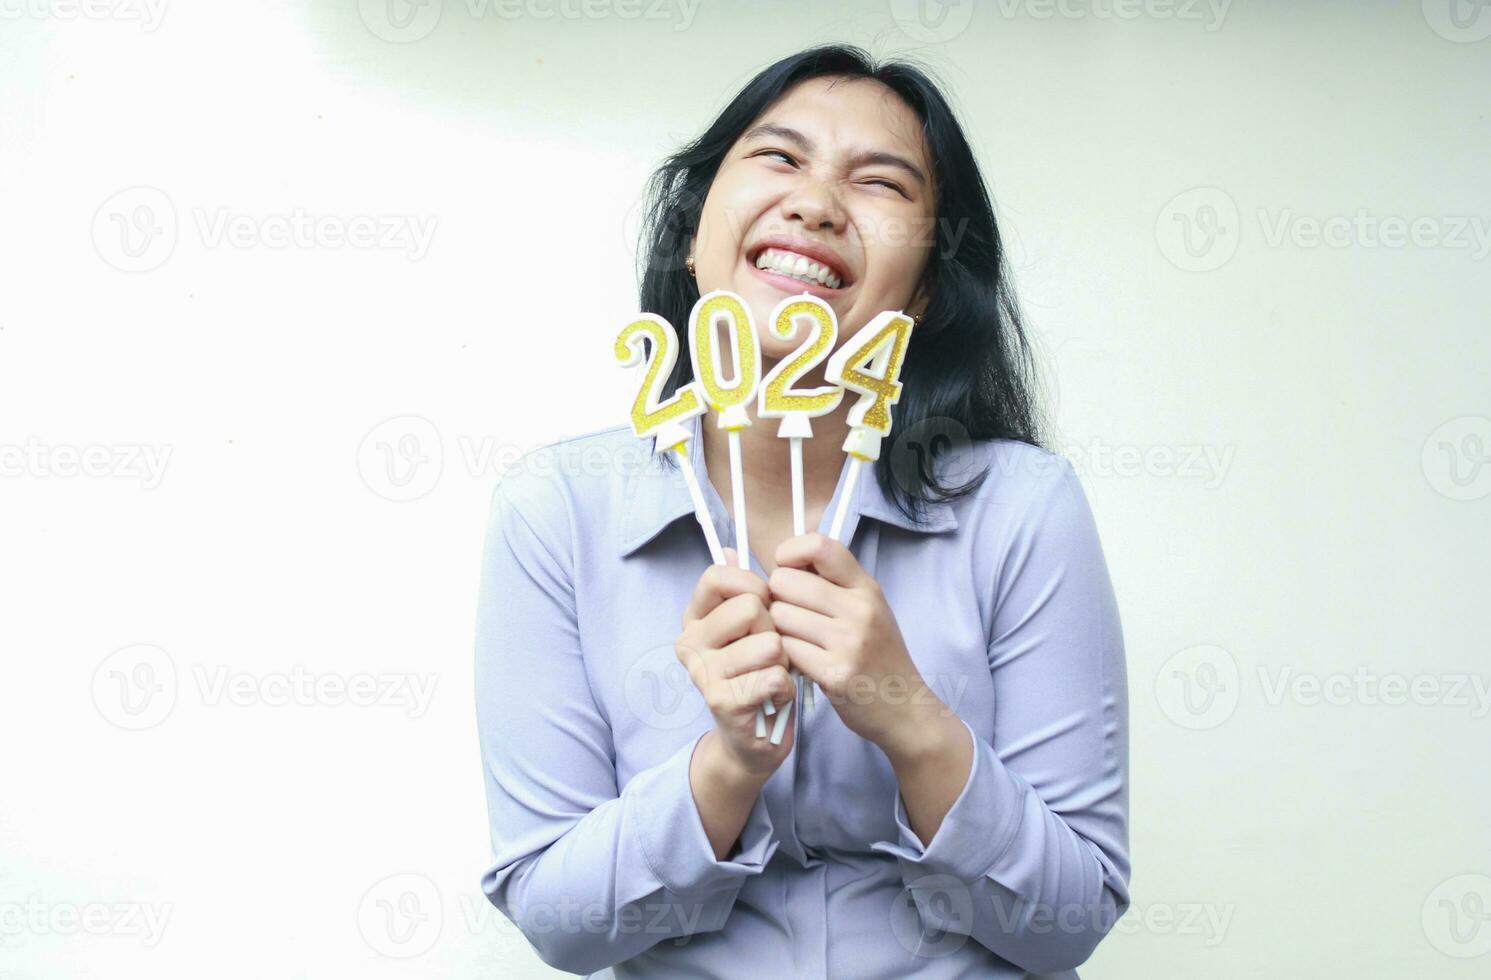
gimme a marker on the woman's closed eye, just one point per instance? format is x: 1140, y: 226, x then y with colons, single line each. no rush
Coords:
x: 786, y: 157
x: 883, y: 182
x: 791, y: 161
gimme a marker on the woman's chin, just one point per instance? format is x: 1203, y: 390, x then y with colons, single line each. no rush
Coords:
x: 762, y: 302
x: 773, y: 348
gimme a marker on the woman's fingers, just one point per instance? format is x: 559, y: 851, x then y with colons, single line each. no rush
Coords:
x: 720, y: 583
x: 751, y: 653
x: 733, y: 619
x: 805, y: 589
x: 791, y: 619
x: 748, y: 690
x: 825, y: 556
x: 739, y: 697
x: 815, y: 662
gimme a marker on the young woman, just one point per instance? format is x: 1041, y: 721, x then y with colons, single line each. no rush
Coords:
x: 955, y: 804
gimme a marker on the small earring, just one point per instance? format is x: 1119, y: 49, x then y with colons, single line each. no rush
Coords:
x: 689, y: 264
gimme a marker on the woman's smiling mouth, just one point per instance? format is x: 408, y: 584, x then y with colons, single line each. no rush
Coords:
x: 796, y: 265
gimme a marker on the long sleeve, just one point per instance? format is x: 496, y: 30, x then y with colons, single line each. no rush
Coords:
x: 592, y: 873
x: 1032, y: 858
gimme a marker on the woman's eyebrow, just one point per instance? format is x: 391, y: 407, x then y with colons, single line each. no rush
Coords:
x: 860, y: 158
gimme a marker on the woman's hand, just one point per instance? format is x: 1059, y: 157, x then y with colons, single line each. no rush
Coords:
x: 839, y: 631
x: 735, y: 658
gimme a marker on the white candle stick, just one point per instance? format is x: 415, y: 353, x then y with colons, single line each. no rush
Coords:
x: 701, y: 509
x: 743, y: 546
x: 799, y: 506
x: 652, y: 339
x: 836, y: 529
x: 721, y: 307
x: 868, y: 363
x: 663, y: 420
x: 797, y: 407
x: 737, y: 493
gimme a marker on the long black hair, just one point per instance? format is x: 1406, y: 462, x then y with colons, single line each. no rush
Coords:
x: 969, y: 372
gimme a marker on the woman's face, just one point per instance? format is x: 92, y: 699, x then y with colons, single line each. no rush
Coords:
x: 830, y: 190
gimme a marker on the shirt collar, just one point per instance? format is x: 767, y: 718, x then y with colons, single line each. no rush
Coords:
x: 657, y: 495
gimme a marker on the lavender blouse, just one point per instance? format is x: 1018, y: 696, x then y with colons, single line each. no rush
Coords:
x: 588, y: 721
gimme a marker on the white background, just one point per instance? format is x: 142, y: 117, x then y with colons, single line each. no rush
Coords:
x: 1285, y: 438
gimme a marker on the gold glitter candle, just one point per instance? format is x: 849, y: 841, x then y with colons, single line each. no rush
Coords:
x: 779, y: 399
x: 651, y: 338
x: 869, y: 364
x: 729, y: 400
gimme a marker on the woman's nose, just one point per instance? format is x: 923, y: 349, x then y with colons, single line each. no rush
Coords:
x: 816, y: 204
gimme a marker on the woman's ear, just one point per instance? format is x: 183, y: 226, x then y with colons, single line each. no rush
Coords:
x: 921, y: 299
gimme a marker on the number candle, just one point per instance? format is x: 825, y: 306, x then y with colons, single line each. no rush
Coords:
x: 868, y: 363
x: 815, y: 321
x: 649, y: 417
x: 715, y: 308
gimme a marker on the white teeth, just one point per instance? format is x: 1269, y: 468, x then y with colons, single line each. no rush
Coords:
x: 797, y: 266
